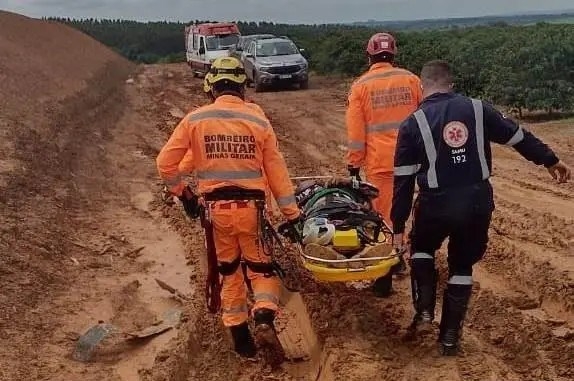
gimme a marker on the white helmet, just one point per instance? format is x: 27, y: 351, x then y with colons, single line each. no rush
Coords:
x: 318, y: 230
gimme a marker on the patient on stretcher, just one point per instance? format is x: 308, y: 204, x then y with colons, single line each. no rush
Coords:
x: 340, y: 222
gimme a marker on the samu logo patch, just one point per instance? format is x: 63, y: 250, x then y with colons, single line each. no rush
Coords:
x: 455, y: 134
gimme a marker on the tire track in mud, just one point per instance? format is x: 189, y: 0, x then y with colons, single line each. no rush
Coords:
x: 538, y: 186
x: 524, y: 224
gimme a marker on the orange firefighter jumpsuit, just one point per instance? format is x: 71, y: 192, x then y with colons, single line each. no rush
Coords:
x: 231, y: 143
x: 378, y: 102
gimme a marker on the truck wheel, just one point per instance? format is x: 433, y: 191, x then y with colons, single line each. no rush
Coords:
x: 304, y: 85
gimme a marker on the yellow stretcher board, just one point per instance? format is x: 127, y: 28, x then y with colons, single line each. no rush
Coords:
x: 349, y: 270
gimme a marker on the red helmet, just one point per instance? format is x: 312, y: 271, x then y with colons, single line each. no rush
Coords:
x: 382, y: 43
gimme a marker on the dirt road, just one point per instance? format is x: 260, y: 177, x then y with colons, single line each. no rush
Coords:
x: 87, y: 236
x: 522, y: 316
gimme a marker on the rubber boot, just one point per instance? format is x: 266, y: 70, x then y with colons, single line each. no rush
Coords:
x: 454, y: 307
x: 266, y: 337
x: 424, y: 278
x: 243, y: 341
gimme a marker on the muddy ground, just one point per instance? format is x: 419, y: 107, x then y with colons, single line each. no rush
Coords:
x: 85, y: 234
x: 521, y: 319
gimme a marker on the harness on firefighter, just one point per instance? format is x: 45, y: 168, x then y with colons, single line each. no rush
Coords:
x: 267, y: 237
x: 340, y: 221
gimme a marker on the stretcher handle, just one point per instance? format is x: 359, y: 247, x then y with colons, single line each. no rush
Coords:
x: 350, y: 260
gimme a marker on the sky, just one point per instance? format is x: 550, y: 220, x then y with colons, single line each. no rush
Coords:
x: 288, y: 11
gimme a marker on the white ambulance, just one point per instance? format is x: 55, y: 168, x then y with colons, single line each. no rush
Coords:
x: 206, y: 42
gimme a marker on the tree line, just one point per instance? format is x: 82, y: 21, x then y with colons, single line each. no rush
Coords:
x: 521, y: 67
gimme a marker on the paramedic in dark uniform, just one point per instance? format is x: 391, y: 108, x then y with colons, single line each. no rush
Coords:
x: 445, y: 146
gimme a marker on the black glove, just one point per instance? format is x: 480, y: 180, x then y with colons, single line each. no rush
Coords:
x: 190, y: 202
x: 354, y: 172
x: 292, y: 229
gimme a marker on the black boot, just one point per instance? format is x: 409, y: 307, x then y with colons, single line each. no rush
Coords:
x: 423, y: 285
x: 454, y: 307
x: 266, y: 337
x: 383, y: 286
x: 243, y: 341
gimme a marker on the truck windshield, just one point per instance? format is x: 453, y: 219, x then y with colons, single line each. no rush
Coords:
x: 276, y: 48
x: 221, y: 42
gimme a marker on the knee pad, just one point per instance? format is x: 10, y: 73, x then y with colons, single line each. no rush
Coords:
x: 264, y: 316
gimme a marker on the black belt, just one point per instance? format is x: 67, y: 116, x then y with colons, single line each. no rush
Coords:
x: 235, y: 193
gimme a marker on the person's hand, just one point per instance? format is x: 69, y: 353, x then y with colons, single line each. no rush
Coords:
x: 354, y: 172
x: 292, y: 229
x: 398, y: 242
x: 560, y: 171
x: 190, y: 202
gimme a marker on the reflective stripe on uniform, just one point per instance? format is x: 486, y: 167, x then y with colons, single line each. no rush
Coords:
x: 356, y: 145
x: 429, y: 147
x: 461, y: 280
x: 407, y: 170
x: 265, y: 297
x: 234, y: 310
x: 516, y: 138
x: 383, y: 127
x: 479, y: 117
x: 227, y: 114
x: 286, y: 200
x: 382, y: 75
x: 422, y: 256
x: 229, y: 175
x: 172, y: 182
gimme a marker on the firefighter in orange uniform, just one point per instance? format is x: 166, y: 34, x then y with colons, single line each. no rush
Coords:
x: 230, y: 144
x: 378, y: 103
x: 209, y: 94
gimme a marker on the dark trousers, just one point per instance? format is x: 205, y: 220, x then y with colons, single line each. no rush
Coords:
x: 463, y: 216
x: 467, y: 238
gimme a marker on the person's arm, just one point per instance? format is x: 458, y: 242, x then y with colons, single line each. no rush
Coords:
x: 356, y: 130
x: 502, y: 130
x: 172, y: 154
x: 407, y: 165
x: 505, y: 131
x: 278, y: 179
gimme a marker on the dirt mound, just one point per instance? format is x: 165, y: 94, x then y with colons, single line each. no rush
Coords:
x: 59, y: 94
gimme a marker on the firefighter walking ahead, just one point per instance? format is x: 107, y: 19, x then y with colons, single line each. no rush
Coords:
x: 378, y: 103
x: 230, y: 144
x: 445, y: 145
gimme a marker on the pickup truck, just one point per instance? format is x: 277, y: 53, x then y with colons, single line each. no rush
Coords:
x: 275, y: 60
x: 238, y: 50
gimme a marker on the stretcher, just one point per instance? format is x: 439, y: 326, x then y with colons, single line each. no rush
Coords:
x: 371, y: 260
